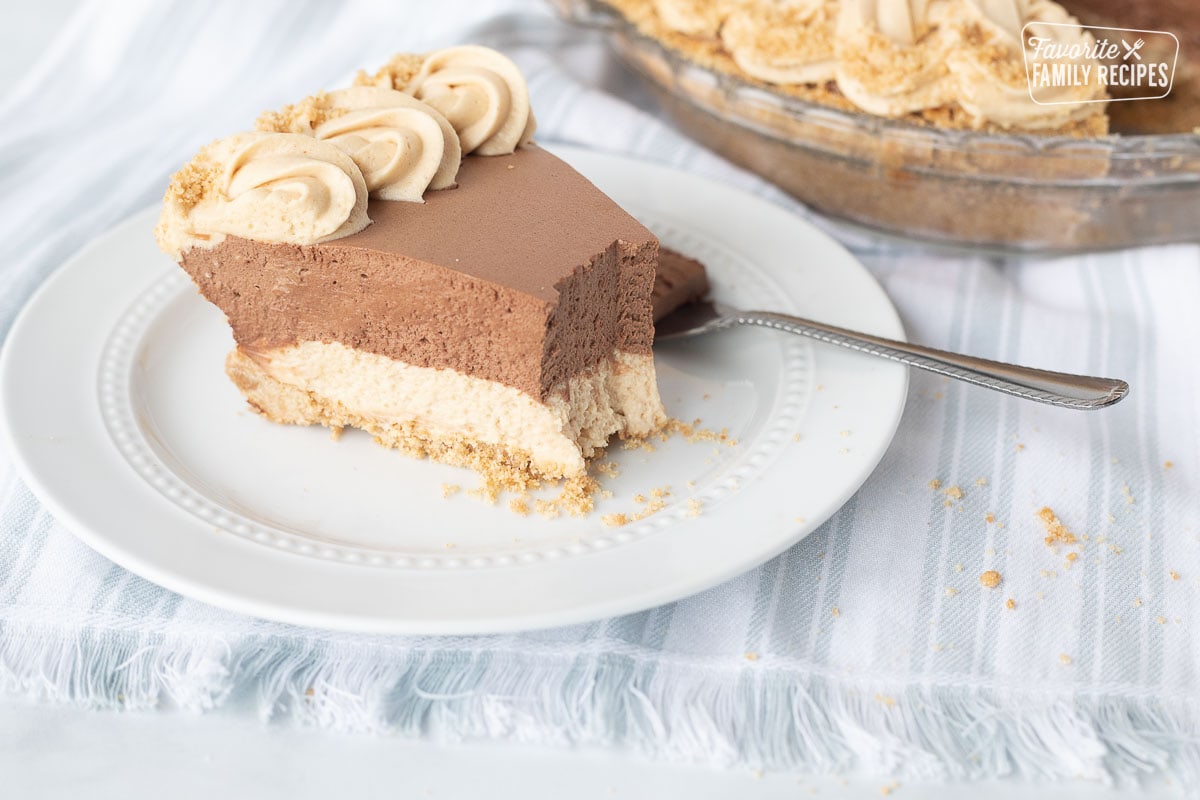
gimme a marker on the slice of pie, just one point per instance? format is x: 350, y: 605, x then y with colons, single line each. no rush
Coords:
x: 494, y: 314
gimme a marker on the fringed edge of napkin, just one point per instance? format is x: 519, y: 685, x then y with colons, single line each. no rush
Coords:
x: 680, y: 710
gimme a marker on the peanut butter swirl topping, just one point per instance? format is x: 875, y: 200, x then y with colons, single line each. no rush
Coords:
x: 402, y: 146
x: 479, y: 90
x: 896, y: 57
x: 268, y: 187
x: 304, y: 175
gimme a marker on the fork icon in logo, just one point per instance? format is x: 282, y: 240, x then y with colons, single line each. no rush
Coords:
x: 1132, y: 50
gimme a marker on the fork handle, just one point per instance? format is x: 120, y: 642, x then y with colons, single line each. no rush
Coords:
x: 1055, y: 388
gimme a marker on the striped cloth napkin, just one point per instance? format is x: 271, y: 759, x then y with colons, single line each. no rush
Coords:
x: 871, y: 645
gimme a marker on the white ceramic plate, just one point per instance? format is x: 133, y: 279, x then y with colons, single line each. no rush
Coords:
x: 114, y: 402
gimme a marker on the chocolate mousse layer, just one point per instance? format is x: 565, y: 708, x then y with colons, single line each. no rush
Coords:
x: 525, y: 274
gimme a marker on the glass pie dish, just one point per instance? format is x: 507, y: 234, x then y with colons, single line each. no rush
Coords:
x: 1007, y: 191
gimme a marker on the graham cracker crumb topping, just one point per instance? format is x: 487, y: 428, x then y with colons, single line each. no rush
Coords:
x: 191, y: 184
x: 781, y: 34
x: 396, y: 74
x: 301, y: 117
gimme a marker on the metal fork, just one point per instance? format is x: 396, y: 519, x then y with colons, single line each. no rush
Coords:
x: 1055, y: 388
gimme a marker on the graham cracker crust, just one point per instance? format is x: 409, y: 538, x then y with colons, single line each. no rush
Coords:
x: 501, y: 469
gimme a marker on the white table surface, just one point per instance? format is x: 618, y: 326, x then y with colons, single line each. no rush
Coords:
x: 48, y: 751
x: 56, y: 752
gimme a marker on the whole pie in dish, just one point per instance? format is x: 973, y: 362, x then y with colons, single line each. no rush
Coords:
x: 948, y: 63
x: 400, y: 257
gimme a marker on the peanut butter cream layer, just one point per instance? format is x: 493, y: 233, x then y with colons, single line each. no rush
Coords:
x: 526, y: 274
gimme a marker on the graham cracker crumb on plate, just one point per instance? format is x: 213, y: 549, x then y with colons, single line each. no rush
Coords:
x: 953, y: 492
x: 989, y: 518
x: 1174, y: 575
x: 615, y: 520
x: 692, y: 433
x: 837, y: 612
x: 951, y: 591
x: 990, y: 579
x: 450, y: 489
x: 1161, y: 620
x: 1010, y: 604
x: 935, y: 484
x: 607, y: 468
x: 1064, y: 659
x: 519, y: 505
x: 1168, y: 464
x: 694, y: 507
x: 885, y: 700
x: 751, y: 656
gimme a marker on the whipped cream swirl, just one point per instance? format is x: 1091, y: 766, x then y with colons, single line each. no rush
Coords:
x: 402, y: 146
x: 397, y: 149
x: 989, y: 68
x: 897, y: 57
x: 268, y: 187
x: 481, y: 92
x: 359, y: 98
x: 782, y: 42
x: 693, y: 17
x: 891, y: 55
